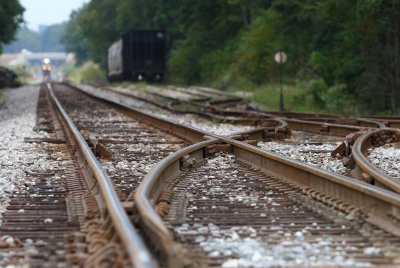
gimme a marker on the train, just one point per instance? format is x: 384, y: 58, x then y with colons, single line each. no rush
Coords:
x: 138, y: 55
x: 46, y: 70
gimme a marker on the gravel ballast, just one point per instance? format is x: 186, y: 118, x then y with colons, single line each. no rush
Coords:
x: 17, y: 119
x: 282, y: 241
x: 313, y: 154
x: 190, y: 120
x: 387, y: 159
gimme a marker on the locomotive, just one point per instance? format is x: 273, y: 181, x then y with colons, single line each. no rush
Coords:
x: 46, y: 70
x: 138, y: 55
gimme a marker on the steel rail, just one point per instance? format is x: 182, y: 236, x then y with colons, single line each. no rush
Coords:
x: 362, y: 122
x: 315, y: 126
x: 190, y: 133
x: 378, y: 205
x: 255, y: 118
x: 355, y: 193
x: 333, y: 119
x: 359, y: 152
x: 146, y: 196
x: 392, y: 123
x: 323, y: 128
x: 304, y: 114
x: 135, y: 247
x: 169, y: 107
x: 366, y: 122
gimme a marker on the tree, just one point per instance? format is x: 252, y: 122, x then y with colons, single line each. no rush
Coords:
x: 25, y: 39
x: 350, y: 48
x: 51, y: 37
x: 378, y: 26
x: 74, y: 39
x: 47, y: 39
x: 98, y: 24
x: 10, y: 17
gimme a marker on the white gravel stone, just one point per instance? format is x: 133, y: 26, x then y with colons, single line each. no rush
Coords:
x: 48, y: 220
x: 252, y: 251
x: 190, y: 120
x: 387, y: 159
x: 313, y: 154
x: 242, y: 246
x: 17, y: 119
x: 372, y: 251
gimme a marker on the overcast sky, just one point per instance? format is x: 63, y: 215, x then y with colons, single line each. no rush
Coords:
x: 47, y: 12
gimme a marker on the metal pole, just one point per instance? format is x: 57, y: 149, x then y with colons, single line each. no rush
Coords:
x: 281, y: 104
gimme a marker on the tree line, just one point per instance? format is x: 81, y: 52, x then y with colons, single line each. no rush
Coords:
x: 47, y: 39
x: 349, y: 50
x: 11, y: 13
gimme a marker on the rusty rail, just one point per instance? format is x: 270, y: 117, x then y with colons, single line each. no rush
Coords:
x: 147, y: 194
x: 362, y: 122
x: 380, y: 206
x: 190, y: 133
x: 391, y: 123
x: 364, y: 167
x: 253, y: 118
x: 135, y: 247
x: 323, y: 128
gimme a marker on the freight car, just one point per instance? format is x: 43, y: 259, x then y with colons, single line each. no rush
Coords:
x: 138, y: 55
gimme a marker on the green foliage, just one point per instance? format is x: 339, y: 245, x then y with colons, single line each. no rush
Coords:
x: 50, y: 37
x: 182, y: 57
x: 98, y: 24
x: 88, y: 73
x: 349, y: 50
x: 25, y: 39
x: 47, y: 39
x: 74, y: 39
x: 312, y: 95
x: 337, y: 100
x: 24, y: 73
x: 10, y: 17
x: 268, y: 95
x: 257, y: 46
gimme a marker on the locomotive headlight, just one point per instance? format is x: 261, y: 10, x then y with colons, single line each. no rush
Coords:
x: 46, y: 61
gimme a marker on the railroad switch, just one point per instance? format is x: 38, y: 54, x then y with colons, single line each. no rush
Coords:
x: 187, y: 162
x: 282, y: 133
x: 344, y: 149
x: 220, y: 147
x: 99, y: 150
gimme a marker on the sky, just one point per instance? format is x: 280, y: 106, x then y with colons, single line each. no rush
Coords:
x: 47, y: 12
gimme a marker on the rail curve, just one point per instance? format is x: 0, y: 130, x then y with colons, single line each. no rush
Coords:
x: 364, y: 168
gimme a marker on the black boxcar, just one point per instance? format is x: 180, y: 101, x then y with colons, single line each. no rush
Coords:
x: 138, y: 55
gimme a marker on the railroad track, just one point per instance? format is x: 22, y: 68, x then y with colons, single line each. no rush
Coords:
x: 127, y: 143
x: 126, y: 148
x: 248, y: 195
x: 71, y: 214
x: 382, y: 170
x: 205, y: 190
x: 311, y: 141
x: 238, y: 216
x: 47, y: 215
x: 160, y: 108
x: 180, y: 208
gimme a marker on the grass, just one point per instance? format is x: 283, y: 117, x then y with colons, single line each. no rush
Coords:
x: 268, y: 95
x: 88, y: 73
